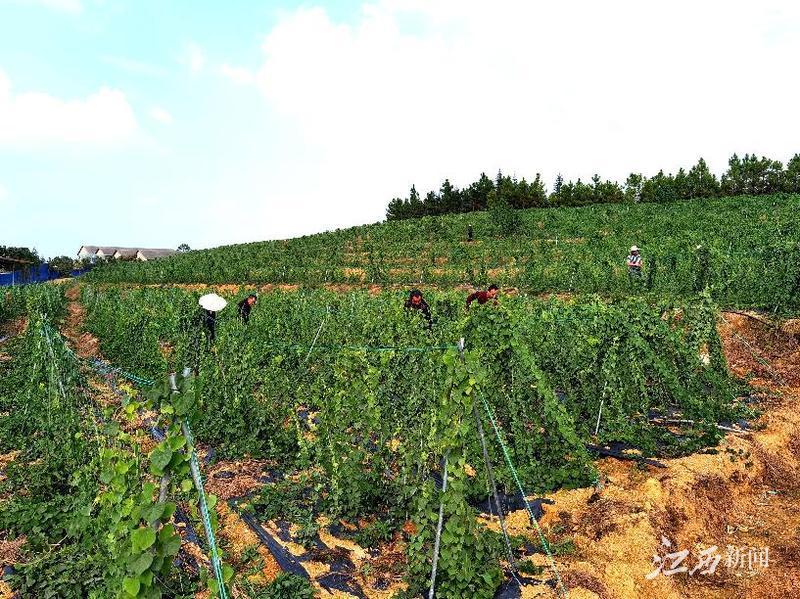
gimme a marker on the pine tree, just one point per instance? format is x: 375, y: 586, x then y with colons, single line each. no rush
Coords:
x: 415, y: 206
x: 537, y: 192
x: 791, y: 176
x: 752, y: 175
x: 450, y: 198
x: 476, y: 197
x: 682, y: 190
x: 701, y: 182
x: 633, y: 188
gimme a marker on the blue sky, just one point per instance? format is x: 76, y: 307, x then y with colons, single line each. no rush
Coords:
x: 142, y: 190
x: 156, y: 123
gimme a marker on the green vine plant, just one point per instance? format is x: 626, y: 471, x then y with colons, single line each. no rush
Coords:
x: 538, y: 430
x: 468, y: 554
x: 143, y: 538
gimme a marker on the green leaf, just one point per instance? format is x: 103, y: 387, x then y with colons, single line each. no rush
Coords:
x: 170, y: 540
x: 131, y: 586
x: 159, y: 458
x: 146, y: 578
x: 227, y: 572
x: 140, y: 563
x: 142, y: 538
x: 169, y: 509
x: 153, y: 513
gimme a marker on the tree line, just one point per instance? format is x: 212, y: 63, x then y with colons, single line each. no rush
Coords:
x: 749, y: 175
x: 20, y: 253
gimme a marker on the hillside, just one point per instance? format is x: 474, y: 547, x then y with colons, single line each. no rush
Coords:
x: 749, y: 255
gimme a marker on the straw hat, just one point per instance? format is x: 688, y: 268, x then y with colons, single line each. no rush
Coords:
x: 634, y: 248
x: 212, y: 302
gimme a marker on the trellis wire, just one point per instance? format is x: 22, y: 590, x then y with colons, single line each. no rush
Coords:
x: 562, y: 590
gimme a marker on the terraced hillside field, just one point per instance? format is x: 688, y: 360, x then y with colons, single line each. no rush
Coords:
x: 746, y: 250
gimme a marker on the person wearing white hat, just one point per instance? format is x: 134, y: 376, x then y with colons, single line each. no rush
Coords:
x: 634, y: 263
x: 211, y: 303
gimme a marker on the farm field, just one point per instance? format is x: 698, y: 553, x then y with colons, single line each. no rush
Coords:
x: 399, y: 300
x: 745, y: 249
x: 324, y: 428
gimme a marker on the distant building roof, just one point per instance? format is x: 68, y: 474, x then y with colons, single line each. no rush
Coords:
x: 149, y: 254
x: 126, y: 252
x: 109, y: 251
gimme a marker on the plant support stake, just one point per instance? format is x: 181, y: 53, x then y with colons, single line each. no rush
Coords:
x: 319, y: 330
x: 599, y: 412
x: 438, y: 532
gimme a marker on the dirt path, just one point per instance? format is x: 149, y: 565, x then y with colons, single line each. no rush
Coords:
x: 84, y: 344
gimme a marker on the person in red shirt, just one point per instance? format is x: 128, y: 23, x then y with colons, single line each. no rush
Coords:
x: 484, y: 296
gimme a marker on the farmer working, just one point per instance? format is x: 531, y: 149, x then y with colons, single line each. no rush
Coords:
x: 211, y: 304
x: 210, y: 322
x: 634, y: 262
x: 415, y: 301
x: 245, y: 306
x: 484, y: 296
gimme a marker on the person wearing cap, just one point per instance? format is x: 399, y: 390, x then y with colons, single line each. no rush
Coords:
x: 634, y: 262
x: 483, y: 296
x: 415, y: 301
x: 245, y: 306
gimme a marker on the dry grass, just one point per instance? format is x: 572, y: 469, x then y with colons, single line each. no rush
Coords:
x: 10, y: 551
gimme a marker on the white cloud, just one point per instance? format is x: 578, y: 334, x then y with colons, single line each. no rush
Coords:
x: 193, y: 57
x: 239, y: 75
x: 135, y: 66
x: 33, y: 118
x: 161, y: 115
x: 416, y: 91
x: 73, y: 6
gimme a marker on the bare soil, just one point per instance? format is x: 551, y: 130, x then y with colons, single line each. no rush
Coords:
x: 745, y: 497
